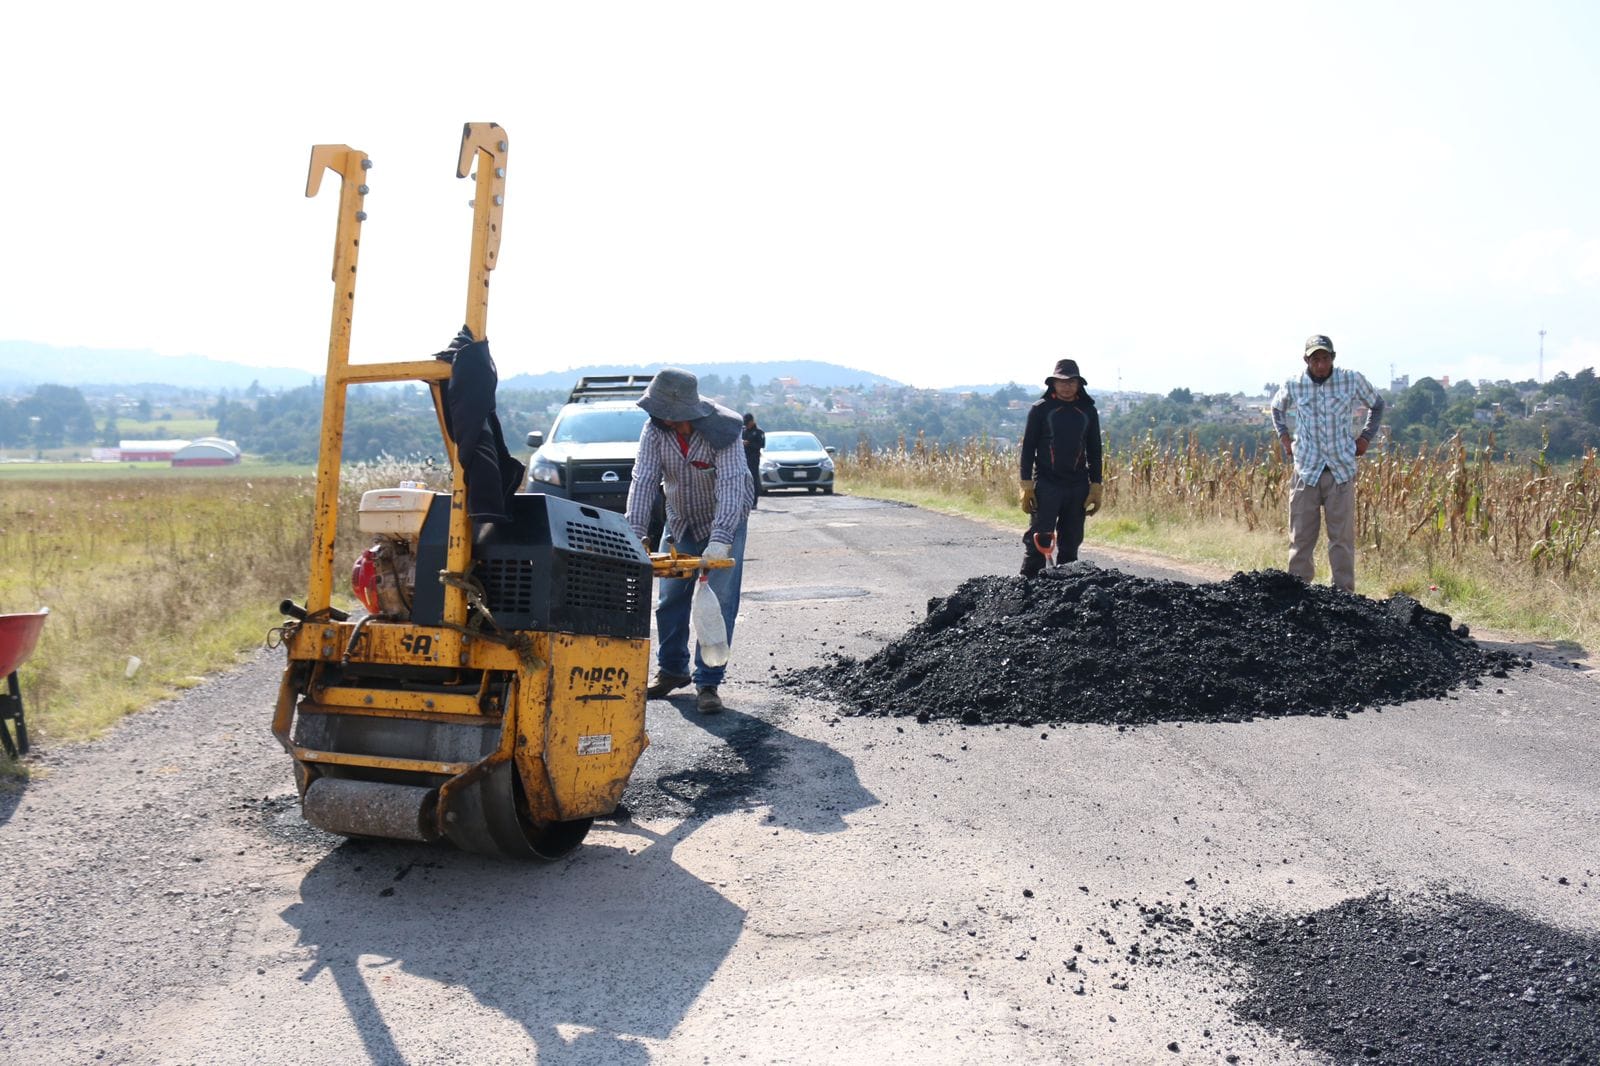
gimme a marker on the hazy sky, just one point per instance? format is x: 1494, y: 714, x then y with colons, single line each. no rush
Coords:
x: 1173, y: 194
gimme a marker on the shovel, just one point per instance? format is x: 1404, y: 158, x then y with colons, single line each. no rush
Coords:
x: 1045, y: 543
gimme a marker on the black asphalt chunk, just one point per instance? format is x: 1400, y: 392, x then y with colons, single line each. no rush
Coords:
x: 1447, y: 979
x: 1081, y: 644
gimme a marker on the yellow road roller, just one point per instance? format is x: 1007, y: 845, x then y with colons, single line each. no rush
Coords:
x: 493, y: 693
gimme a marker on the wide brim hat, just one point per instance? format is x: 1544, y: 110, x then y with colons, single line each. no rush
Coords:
x: 674, y: 396
x: 1065, y: 368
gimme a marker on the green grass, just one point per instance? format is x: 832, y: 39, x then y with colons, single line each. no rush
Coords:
x: 168, y: 429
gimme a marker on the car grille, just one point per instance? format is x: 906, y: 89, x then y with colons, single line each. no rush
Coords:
x: 800, y: 473
x: 591, y: 475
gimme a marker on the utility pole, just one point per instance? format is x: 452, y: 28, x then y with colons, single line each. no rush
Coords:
x: 1541, y: 356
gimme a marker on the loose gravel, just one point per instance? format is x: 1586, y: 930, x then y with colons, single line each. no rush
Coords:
x: 1082, y: 644
x: 1446, y: 979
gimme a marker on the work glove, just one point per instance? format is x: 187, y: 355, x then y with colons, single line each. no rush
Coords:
x: 1027, y: 499
x: 458, y: 342
x: 1097, y: 492
x: 717, y: 550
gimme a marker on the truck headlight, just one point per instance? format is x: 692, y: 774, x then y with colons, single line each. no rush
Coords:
x: 545, y: 470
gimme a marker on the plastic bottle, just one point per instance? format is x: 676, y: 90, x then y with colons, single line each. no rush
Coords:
x: 709, y: 629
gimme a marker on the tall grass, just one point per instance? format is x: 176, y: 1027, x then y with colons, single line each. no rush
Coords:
x: 182, y: 573
x: 1507, y: 544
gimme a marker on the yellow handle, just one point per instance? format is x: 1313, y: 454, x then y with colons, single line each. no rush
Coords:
x: 671, y: 564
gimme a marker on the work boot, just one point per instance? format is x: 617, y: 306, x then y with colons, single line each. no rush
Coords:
x: 707, y: 700
x: 665, y: 683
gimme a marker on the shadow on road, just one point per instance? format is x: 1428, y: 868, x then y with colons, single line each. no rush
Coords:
x: 590, y: 955
x: 737, y: 769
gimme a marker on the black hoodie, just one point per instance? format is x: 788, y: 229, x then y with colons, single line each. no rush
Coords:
x: 1062, y: 440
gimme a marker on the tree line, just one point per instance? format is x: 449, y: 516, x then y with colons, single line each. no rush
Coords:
x: 1560, y: 417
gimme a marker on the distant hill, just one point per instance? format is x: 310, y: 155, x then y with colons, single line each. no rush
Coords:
x: 806, y: 371
x: 26, y: 364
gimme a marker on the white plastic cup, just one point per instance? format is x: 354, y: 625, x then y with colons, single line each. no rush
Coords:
x: 134, y: 662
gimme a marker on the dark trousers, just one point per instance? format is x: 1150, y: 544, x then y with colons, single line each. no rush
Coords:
x: 1060, y: 514
x: 755, y: 475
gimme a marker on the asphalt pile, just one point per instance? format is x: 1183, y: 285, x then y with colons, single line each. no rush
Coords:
x: 1082, y: 644
x: 1444, y: 980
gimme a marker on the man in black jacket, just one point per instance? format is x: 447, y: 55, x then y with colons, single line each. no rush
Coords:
x: 1060, y: 468
x: 755, y: 438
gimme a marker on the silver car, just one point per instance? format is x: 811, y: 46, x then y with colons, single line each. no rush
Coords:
x: 796, y: 460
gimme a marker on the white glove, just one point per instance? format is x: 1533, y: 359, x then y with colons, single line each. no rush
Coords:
x: 717, y: 550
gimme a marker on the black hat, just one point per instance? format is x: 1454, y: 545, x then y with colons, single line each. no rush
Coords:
x: 1065, y: 368
x: 1318, y: 342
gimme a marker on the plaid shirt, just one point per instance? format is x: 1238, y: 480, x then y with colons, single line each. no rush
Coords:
x: 709, y: 491
x: 1324, y: 418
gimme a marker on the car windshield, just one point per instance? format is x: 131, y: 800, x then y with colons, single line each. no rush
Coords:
x: 579, y: 426
x: 792, y: 442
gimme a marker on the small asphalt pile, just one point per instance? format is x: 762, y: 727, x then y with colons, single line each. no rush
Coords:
x: 1445, y: 980
x: 1081, y: 644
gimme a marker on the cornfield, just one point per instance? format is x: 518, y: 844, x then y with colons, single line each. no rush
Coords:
x: 1448, y: 502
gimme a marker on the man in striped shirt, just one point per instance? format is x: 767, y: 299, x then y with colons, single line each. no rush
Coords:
x: 1324, y: 451
x: 694, y: 446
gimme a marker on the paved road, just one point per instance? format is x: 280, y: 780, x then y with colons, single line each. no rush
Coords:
x: 795, y: 887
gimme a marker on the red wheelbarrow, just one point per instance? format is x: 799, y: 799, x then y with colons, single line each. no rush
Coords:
x: 18, y: 634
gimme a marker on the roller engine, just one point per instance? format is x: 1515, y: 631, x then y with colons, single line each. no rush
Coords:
x: 384, y: 578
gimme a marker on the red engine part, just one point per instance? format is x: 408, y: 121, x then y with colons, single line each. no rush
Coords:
x: 364, y: 579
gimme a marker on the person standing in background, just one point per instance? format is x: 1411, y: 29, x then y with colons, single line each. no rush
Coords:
x: 1061, y: 464
x: 1324, y: 451
x: 755, y: 438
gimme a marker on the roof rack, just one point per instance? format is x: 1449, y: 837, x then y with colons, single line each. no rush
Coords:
x: 610, y: 387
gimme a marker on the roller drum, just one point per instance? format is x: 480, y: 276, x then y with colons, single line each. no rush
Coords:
x: 371, y: 809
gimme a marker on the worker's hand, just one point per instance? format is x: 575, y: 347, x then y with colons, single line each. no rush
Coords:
x: 717, y: 550
x: 1097, y: 492
x: 1361, y: 447
x: 1027, y: 499
x: 648, y: 547
x: 1288, y: 447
